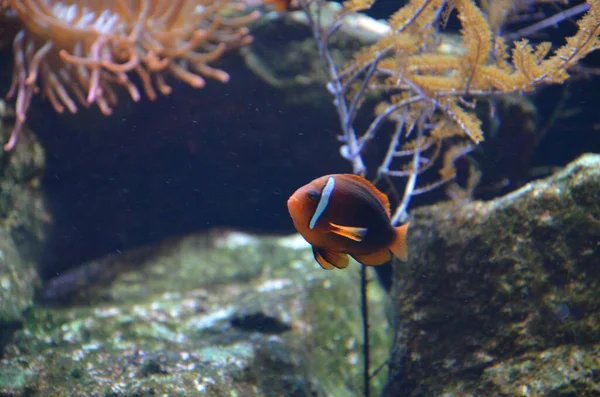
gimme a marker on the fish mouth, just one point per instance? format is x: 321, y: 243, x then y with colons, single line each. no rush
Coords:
x: 293, y: 201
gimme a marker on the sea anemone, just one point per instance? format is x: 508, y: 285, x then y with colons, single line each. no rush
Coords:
x: 79, y: 51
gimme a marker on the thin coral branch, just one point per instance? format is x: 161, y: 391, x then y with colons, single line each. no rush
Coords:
x: 384, y: 168
x: 548, y: 22
x: 400, y: 214
x: 336, y: 88
x: 382, y: 117
x: 359, y: 95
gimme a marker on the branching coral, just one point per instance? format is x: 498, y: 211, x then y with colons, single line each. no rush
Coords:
x: 80, y: 51
x: 430, y: 94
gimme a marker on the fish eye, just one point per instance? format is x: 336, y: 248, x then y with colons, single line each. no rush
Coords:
x: 313, y: 195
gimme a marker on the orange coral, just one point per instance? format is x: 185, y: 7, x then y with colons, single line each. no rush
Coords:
x: 79, y: 51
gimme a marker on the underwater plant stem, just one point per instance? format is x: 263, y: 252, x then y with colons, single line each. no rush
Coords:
x: 551, y: 21
x: 336, y: 88
x: 400, y: 214
x: 365, y: 317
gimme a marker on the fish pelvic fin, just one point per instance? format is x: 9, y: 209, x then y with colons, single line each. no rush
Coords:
x: 398, y: 246
x: 330, y: 259
x: 374, y: 259
x: 351, y: 232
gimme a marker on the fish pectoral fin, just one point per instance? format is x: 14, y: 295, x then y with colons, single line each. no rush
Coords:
x: 351, y: 232
x: 330, y: 259
x: 377, y: 258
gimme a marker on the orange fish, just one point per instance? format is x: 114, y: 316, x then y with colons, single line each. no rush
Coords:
x: 344, y: 214
x: 280, y: 5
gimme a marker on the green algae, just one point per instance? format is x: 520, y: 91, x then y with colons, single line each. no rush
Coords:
x: 13, y: 377
x: 500, y: 284
x: 178, y: 319
x: 568, y: 370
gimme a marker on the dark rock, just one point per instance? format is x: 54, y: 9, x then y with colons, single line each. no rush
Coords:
x: 23, y: 222
x: 502, y: 298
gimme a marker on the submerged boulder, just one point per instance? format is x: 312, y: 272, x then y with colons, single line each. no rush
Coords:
x: 218, y: 314
x: 502, y: 298
x: 23, y: 223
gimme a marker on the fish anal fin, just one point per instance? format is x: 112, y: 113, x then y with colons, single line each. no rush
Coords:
x: 351, y: 232
x: 376, y: 258
x: 330, y: 259
x: 398, y: 245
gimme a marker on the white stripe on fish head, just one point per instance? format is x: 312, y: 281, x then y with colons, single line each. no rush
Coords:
x: 322, y: 206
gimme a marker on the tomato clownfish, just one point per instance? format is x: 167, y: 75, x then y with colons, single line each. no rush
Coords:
x: 344, y: 214
x: 280, y: 5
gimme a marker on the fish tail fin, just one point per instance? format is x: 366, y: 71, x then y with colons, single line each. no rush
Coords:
x: 398, y: 245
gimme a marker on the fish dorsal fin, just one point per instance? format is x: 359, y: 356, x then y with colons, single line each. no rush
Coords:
x: 377, y: 258
x: 382, y: 198
x: 330, y: 259
x: 351, y: 232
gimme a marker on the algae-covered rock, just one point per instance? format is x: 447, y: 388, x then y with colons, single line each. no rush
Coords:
x: 223, y: 314
x: 502, y: 298
x: 23, y: 219
x: 17, y: 282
